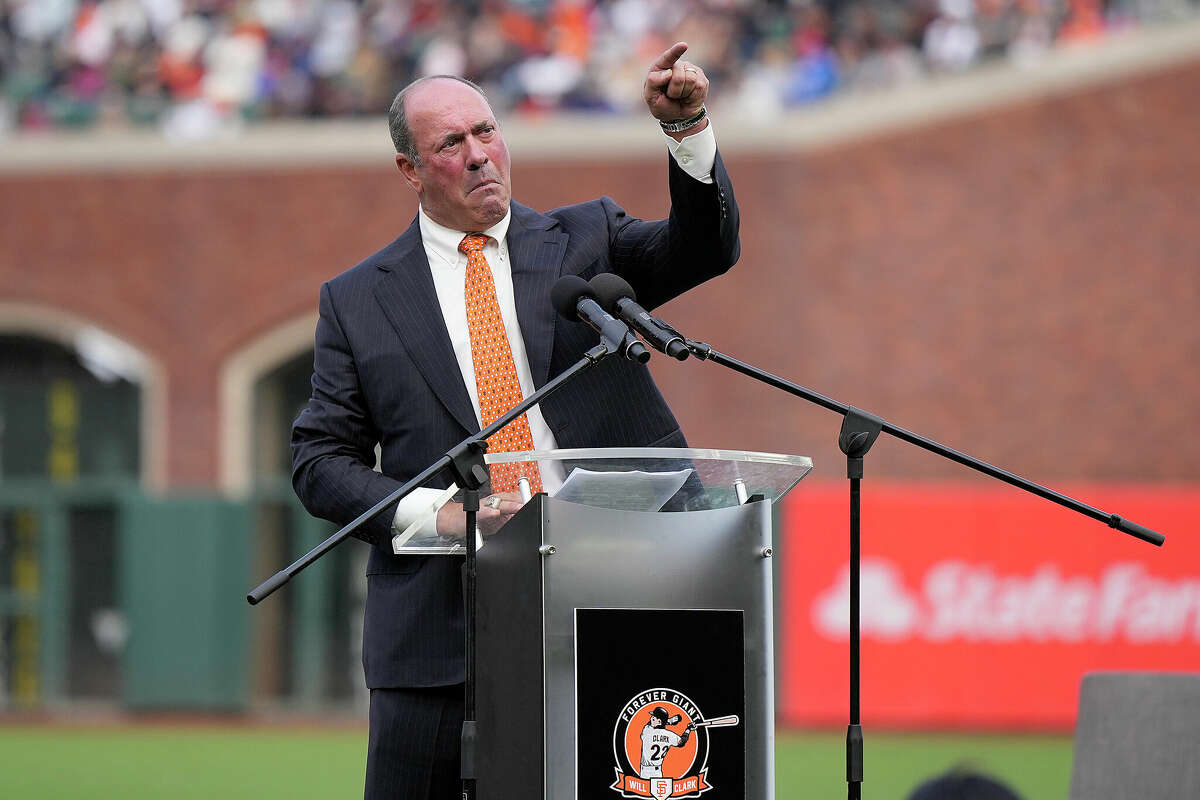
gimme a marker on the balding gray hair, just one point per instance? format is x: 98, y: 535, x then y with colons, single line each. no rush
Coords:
x: 402, y: 136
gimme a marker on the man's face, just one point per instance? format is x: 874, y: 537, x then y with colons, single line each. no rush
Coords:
x: 655, y: 722
x: 462, y: 180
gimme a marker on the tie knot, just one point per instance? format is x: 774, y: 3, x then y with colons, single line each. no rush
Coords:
x: 472, y: 243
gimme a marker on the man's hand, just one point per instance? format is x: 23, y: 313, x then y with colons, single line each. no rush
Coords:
x: 494, y: 511
x: 675, y: 89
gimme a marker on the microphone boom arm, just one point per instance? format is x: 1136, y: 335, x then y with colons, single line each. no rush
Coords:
x: 705, y: 352
x: 449, y: 460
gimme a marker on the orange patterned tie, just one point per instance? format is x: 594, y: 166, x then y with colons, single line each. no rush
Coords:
x: 495, y: 370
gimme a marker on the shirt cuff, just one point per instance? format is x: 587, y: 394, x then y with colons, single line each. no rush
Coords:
x: 696, y: 154
x: 420, y: 505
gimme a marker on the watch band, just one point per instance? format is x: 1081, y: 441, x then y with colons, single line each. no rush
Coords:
x: 683, y: 124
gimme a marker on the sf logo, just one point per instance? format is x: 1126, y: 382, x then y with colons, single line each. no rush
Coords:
x: 660, y: 788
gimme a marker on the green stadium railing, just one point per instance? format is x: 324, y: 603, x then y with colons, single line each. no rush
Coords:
x: 181, y: 564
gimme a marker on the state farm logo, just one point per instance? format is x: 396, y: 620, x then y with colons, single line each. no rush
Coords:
x: 958, y: 600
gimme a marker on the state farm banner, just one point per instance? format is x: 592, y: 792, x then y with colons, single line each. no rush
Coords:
x: 981, y: 607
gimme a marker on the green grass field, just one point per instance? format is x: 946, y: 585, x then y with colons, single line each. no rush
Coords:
x: 263, y: 763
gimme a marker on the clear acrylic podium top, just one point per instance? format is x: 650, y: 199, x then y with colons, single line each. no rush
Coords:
x: 637, y: 479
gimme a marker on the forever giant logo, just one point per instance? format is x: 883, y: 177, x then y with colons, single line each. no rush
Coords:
x: 661, y: 745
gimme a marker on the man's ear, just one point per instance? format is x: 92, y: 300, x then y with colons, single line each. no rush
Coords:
x: 409, y: 170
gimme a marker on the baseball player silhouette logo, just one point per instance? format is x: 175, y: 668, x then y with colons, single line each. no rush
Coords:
x: 657, y: 739
x: 661, y: 743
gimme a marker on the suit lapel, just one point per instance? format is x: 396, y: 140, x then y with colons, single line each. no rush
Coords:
x: 410, y: 303
x: 536, y: 245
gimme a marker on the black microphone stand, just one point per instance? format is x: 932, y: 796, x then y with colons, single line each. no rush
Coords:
x: 465, y: 464
x: 859, y: 431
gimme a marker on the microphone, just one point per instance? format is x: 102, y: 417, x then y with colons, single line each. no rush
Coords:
x: 574, y: 299
x: 617, y: 297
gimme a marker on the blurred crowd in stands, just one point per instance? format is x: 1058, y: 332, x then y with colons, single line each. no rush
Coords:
x: 197, y: 67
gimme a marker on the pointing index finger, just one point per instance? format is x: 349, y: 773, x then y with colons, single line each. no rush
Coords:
x: 670, y: 56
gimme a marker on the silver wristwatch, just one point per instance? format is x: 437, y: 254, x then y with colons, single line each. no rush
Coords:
x: 683, y: 124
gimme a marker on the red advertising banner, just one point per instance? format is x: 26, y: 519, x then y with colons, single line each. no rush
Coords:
x: 981, y: 607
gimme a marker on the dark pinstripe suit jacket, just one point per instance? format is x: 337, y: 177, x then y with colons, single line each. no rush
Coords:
x: 385, y: 373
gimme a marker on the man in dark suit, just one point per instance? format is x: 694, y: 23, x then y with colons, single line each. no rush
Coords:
x: 398, y: 366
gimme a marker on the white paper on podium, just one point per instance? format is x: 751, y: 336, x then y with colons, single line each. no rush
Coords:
x: 632, y: 491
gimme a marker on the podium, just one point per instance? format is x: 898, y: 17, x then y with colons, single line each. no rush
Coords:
x: 624, y: 652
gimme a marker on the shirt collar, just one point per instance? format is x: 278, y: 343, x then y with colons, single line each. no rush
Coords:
x: 444, y: 241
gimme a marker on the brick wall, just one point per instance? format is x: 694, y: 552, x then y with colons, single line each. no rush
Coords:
x: 1022, y: 284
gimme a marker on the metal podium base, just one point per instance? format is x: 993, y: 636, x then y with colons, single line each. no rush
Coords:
x: 603, y: 636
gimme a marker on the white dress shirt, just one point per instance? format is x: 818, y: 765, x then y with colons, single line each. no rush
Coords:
x: 695, y: 155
